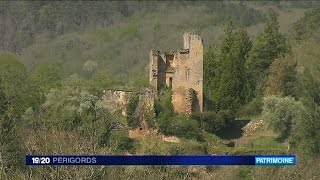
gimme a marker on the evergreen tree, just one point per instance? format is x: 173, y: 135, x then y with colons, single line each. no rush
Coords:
x: 270, y: 44
x: 211, y: 75
x: 306, y: 26
x: 227, y: 82
x: 282, y: 78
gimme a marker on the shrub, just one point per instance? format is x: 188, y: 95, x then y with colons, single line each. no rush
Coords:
x: 211, y: 121
x: 306, y: 132
x: 178, y: 125
x: 185, y: 127
x: 104, y: 137
x: 163, y: 102
x: 188, y: 147
x: 294, y: 121
x: 225, y: 118
x: 131, y: 107
x: 119, y: 140
x: 149, y: 118
x: 152, y: 145
x: 171, y: 123
x: 282, y: 113
x: 254, y: 107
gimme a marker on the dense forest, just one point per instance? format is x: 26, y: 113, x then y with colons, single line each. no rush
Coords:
x: 261, y: 66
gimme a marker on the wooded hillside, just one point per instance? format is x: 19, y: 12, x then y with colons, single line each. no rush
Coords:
x: 261, y: 70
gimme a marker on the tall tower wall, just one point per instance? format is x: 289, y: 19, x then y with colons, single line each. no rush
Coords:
x: 183, y: 71
x: 153, y: 76
x: 188, y: 76
x: 196, y: 68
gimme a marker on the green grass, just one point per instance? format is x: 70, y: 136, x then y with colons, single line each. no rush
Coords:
x: 213, y: 140
x: 121, y: 119
x: 188, y: 147
x: 255, y: 150
x: 264, y: 142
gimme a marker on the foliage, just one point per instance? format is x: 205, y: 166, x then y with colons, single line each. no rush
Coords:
x: 171, y: 123
x: 74, y: 108
x: 282, y: 77
x: 133, y: 122
x: 226, y: 117
x: 90, y: 67
x: 24, y: 21
x: 117, y: 37
x: 149, y: 118
x: 241, y: 13
x: 307, y: 25
x: 294, y: 121
x: 181, y: 126
x: 225, y: 70
x: 306, y: 136
x: 119, y: 140
x: 188, y: 147
x: 252, y: 108
x: 47, y: 111
x: 11, y: 148
x: 163, y: 105
x: 211, y: 75
x: 45, y: 77
x: 13, y: 100
x: 101, y: 81
x: 270, y: 44
x: 152, y: 145
x: 309, y: 88
x: 212, y: 122
x: 178, y: 125
x: 282, y: 113
x: 306, y: 168
x: 13, y: 81
x: 137, y: 82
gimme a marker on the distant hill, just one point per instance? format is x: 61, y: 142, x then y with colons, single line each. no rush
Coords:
x: 119, y: 36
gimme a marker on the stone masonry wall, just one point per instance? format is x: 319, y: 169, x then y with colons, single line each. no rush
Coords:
x: 184, y: 69
x: 116, y: 101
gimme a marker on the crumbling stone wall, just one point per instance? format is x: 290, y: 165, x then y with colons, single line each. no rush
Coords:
x: 182, y: 70
x: 116, y: 101
x: 145, y: 112
x: 190, y: 101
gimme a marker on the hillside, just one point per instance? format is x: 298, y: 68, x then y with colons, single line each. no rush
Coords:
x: 127, y: 41
x: 261, y: 86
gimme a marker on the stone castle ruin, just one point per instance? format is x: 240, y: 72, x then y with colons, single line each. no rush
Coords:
x: 182, y: 71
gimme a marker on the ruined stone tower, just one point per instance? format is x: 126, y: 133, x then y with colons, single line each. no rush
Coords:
x: 182, y: 70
